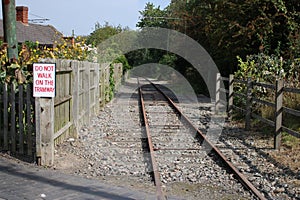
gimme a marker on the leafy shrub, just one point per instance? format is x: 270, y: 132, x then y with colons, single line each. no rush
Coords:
x: 266, y: 69
x: 30, y: 52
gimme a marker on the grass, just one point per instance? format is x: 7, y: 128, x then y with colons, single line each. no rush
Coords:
x: 290, y: 141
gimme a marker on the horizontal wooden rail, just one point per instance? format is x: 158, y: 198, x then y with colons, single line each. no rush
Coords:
x: 239, y: 109
x: 292, y: 90
x: 291, y: 111
x: 291, y: 132
x: 224, y: 78
x: 267, y: 121
x: 264, y: 85
x: 240, y: 81
x: 239, y: 94
x: 62, y: 100
x: 264, y: 102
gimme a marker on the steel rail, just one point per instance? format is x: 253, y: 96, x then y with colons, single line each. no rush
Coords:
x: 243, y: 179
x: 159, y: 193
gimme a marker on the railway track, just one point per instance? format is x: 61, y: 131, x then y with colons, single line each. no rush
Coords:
x: 171, y: 137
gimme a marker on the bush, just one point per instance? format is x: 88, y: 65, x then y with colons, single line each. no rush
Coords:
x: 266, y: 69
x: 20, y: 71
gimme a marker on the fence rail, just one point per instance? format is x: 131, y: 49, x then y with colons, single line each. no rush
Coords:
x: 278, y: 88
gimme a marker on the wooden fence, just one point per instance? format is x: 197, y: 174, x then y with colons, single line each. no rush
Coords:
x: 81, y: 89
x: 249, y: 98
x: 17, y: 127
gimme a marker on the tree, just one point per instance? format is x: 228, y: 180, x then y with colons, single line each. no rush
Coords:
x: 153, y: 16
x: 227, y: 28
x: 103, y: 32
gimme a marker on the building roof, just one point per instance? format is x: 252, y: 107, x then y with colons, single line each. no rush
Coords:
x: 44, y: 34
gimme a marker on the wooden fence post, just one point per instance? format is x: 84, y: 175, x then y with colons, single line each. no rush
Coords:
x: 278, y: 113
x: 217, y: 103
x: 248, y: 104
x: 44, y: 131
x: 230, y: 96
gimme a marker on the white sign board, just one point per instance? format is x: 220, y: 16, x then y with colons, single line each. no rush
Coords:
x: 44, y: 80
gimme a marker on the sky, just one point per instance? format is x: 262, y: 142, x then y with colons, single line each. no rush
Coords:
x: 81, y: 16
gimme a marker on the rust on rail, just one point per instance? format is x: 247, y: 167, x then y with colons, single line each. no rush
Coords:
x: 236, y: 172
x: 159, y: 192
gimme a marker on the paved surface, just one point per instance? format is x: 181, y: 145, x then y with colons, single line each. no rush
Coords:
x: 26, y: 181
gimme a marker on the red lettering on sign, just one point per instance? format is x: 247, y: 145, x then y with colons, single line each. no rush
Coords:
x: 44, y: 75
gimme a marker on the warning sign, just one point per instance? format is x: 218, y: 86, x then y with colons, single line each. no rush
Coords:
x: 44, y: 80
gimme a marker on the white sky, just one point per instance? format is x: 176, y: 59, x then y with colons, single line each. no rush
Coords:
x: 81, y: 16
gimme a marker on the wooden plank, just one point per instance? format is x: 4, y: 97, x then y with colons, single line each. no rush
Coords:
x: 87, y: 100
x: 62, y: 131
x: 12, y: 118
x: 21, y: 124
x: 224, y: 78
x: 5, y: 117
x: 81, y: 94
x: 291, y: 132
x: 75, y: 94
x: 292, y: 90
x: 59, y: 120
x: 263, y: 102
x: 63, y: 66
x: 61, y: 107
x: 29, y: 129
x: 291, y: 111
x: 59, y: 101
x: 97, y: 88
x: 265, y: 85
x: 239, y: 94
x: 267, y: 121
x: 68, y: 108
x: 239, y: 109
x: 240, y: 81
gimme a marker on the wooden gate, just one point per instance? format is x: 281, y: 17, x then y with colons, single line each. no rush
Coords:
x: 17, y: 129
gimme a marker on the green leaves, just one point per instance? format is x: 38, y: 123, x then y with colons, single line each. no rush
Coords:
x: 153, y: 16
x: 230, y: 28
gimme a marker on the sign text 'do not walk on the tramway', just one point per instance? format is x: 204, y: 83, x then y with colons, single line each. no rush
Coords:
x: 44, y: 79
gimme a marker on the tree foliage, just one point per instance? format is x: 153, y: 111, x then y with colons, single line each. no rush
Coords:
x: 227, y: 28
x: 152, y: 17
x: 103, y: 32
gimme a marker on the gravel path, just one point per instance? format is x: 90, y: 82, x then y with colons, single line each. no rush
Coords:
x: 111, y: 150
